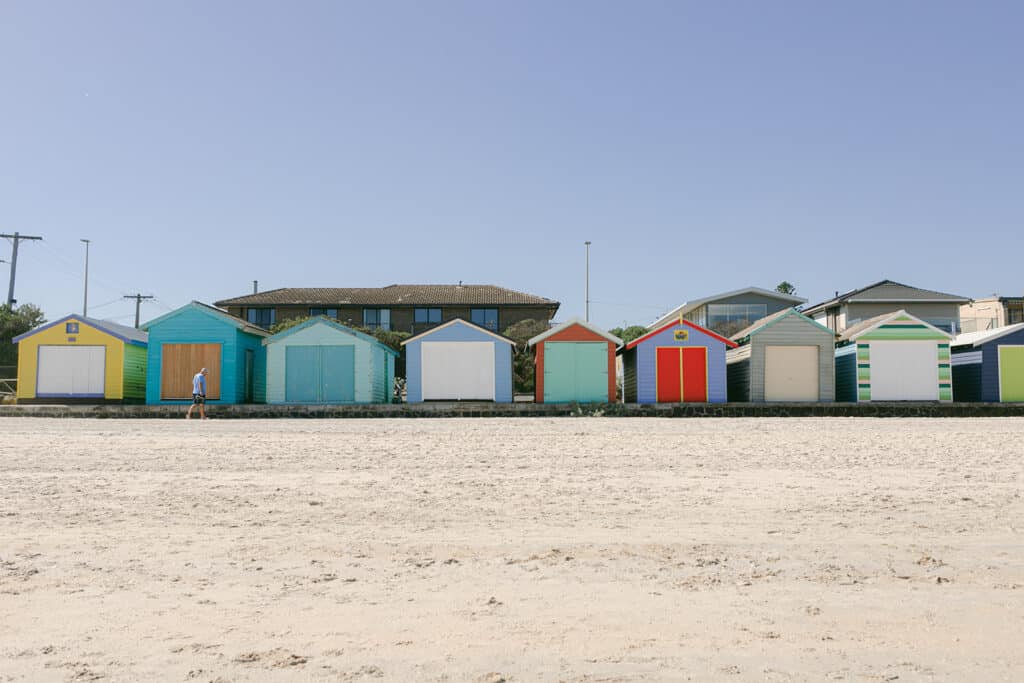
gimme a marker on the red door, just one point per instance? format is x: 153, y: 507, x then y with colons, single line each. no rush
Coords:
x: 682, y: 374
x: 668, y: 371
x: 695, y: 374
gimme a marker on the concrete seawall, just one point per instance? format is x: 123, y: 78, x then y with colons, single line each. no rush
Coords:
x: 470, y: 409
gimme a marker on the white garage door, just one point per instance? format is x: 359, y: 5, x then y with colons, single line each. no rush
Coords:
x: 791, y: 373
x: 457, y: 371
x: 71, y: 371
x: 904, y: 371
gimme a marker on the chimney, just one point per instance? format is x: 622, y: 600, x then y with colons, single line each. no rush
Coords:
x: 255, y: 286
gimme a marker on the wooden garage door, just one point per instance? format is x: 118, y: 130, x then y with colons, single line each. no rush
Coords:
x: 72, y: 371
x: 791, y: 373
x: 904, y: 371
x: 576, y: 371
x: 457, y: 371
x: 1011, y: 373
x: 180, y: 362
x: 682, y: 374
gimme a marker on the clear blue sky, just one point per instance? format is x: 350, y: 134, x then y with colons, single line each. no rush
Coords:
x: 701, y: 147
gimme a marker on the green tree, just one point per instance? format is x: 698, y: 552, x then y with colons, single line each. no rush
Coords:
x: 15, y: 321
x: 628, y: 334
x: 522, y: 359
x: 785, y: 287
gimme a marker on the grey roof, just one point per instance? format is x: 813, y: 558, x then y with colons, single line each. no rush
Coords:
x: 889, y: 291
x: 985, y: 336
x: 128, y: 334
x: 688, y: 306
x: 392, y: 295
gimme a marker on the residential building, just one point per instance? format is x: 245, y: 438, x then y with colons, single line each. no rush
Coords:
x: 843, y: 311
x: 404, y: 308
x: 991, y: 312
x: 730, y: 312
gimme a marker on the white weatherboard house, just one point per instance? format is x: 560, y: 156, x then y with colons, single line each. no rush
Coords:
x: 458, y: 361
x: 894, y: 357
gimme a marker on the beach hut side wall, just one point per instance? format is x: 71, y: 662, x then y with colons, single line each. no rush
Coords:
x: 967, y: 375
x: 737, y: 374
x: 458, y: 333
x: 846, y: 374
x: 572, y: 333
x: 190, y: 326
x: 134, y: 372
x: 792, y: 331
x: 647, y: 367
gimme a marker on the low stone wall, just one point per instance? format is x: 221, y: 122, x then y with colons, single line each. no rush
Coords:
x: 469, y: 409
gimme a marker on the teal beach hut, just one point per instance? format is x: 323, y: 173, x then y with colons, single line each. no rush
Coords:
x: 321, y: 361
x: 198, y: 336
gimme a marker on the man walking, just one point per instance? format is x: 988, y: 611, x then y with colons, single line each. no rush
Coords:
x: 198, y: 395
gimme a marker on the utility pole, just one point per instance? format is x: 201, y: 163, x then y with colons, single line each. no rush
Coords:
x: 85, y: 298
x: 587, y: 243
x: 138, y: 304
x: 16, y: 237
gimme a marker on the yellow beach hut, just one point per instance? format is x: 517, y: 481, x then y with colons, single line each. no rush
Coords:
x: 81, y: 360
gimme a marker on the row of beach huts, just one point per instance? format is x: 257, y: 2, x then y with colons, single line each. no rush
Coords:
x: 785, y: 356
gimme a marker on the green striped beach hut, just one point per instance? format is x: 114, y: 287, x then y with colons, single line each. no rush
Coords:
x: 893, y: 357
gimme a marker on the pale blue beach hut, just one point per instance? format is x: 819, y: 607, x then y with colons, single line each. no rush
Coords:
x: 321, y: 361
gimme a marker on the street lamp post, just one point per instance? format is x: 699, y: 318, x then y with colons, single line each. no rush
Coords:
x: 85, y: 298
x: 587, y: 317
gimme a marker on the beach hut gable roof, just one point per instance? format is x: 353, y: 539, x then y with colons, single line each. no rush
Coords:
x: 213, y: 312
x: 985, y: 336
x: 870, y: 325
x: 320, y: 320
x: 676, y: 323
x: 464, y: 323
x: 768, y: 321
x: 129, y: 335
x: 569, y: 323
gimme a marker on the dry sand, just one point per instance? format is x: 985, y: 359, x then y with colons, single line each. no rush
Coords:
x: 512, y: 549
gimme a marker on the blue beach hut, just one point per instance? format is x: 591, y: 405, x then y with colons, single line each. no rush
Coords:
x: 199, y: 336
x: 678, y: 362
x: 322, y: 361
x: 989, y: 365
x: 458, y: 361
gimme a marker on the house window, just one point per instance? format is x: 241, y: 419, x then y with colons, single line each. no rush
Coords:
x: 377, y: 318
x: 263, y: 317
x: 329, y: 312
x: 71, y: 328
x: 426, y: 316
x: 485, y: 317
x: 944, y: 324
x: 728, y: 319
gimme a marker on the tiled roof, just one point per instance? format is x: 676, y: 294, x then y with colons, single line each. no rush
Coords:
x: 889, y: 291
x: 392, y: 295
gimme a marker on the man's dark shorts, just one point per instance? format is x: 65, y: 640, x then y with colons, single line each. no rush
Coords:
x: 198, y: 399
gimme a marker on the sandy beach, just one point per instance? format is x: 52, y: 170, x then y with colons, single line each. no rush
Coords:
x: 495, y: 550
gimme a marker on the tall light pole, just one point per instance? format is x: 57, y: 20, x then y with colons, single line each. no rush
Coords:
x: 587, y: 318
x: 85, y: 298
